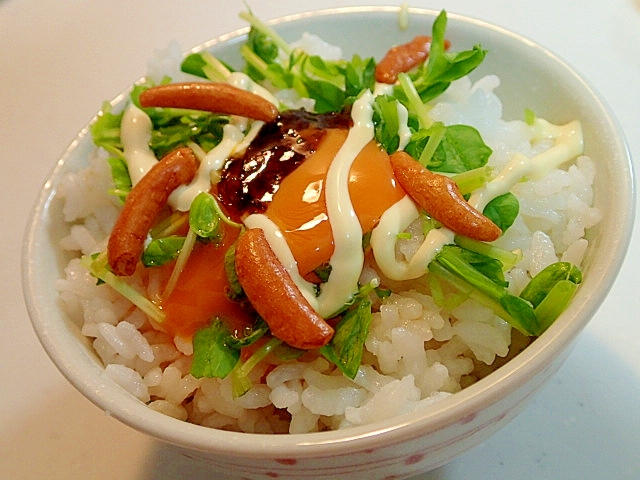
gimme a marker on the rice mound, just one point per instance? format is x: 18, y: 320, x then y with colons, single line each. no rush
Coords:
x: 416, y: 353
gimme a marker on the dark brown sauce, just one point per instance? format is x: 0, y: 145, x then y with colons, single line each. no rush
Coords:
x: 248, y: 183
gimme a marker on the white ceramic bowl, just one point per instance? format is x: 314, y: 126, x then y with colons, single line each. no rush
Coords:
x: 406, y: 445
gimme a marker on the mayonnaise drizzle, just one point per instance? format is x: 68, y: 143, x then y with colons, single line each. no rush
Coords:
x: 569, y: 144
x: 348, y: 258
x: 383, y: 242
x: 135, y: 134
x: 214, y: 160
x: 404, y: 132
x: 244, y: 82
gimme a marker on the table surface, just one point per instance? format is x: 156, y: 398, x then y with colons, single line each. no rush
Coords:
x: 59, y: 60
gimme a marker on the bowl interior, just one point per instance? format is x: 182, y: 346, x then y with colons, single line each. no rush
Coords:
x: 531, y: 77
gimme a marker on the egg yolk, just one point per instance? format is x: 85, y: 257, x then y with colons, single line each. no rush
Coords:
x: 201, y: 292
x: 298, y: 208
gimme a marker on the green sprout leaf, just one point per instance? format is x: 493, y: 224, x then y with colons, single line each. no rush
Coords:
x: 105, y: 131
x: 503, y: 210
x: 235, y: 291
x: 458, y: 148
x: 203, y: 217
x: 359, y: 75
x: 162, y: 250
x: 387, y: 122
x: 213, y: 355
x: 257, y: 331
x: 521, y: 314
x: 240, y: 381
x: 120, y: 176
x: 554, y: 303
x: 442, y: 68
x: 347, y: 345
x: 508, y: 258
x: 98, y: 267
x: 205, y: 65
x: 540, y: 285
x: 472, y: 179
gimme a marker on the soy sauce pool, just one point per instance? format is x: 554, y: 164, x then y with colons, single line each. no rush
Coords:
x: 248, y: 183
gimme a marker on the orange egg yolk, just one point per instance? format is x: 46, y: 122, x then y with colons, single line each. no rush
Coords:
x: 200, y: 293
x: 298, y: 208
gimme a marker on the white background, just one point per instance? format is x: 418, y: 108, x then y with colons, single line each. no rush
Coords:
x: 60, y: 59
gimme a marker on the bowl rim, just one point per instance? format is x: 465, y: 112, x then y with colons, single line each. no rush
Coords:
x: 384, y: 433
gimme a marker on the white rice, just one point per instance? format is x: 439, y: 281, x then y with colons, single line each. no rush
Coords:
x: 416, y: 354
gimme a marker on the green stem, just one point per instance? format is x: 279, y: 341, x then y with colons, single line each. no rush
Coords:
x: 181, y: 262
x: 467, y: 289
x: 471, y: 179
x: 415, y: 102
x: 258, y: 24
x: 437, y: 131
x: 98, y: 268
x: 240, y: 383
x: 508, y: 258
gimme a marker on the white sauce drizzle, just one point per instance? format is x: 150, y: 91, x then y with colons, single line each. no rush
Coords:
x: 249, y: 137
x: 182, y: 196
x: 383, y: 242
x: 569, y: 144
x: 244, y: 82
x: 404, y: 132
x: 382, y: 89
x: 348, y: 258
x: 135, y: 134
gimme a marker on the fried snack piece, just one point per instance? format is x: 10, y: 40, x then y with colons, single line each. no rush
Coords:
x: 143, y: 204
x: 216, y: 97
x: 440, y: 197
x: 275, y: 296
